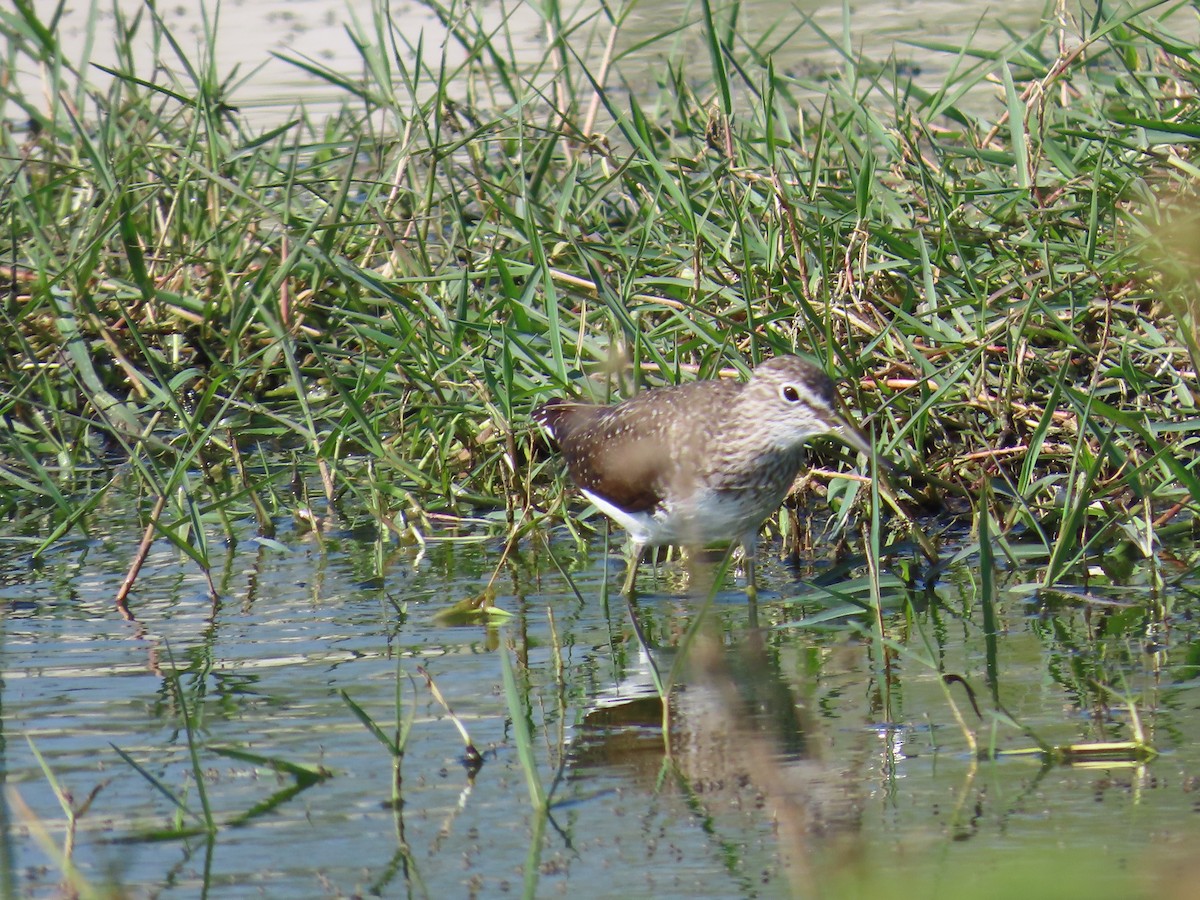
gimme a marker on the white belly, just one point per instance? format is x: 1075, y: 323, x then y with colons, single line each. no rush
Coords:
x: 707, y: 517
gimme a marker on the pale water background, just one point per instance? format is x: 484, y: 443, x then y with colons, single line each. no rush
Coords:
x: 248, y: 32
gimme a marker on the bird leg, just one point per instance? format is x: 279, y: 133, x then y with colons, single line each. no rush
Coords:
x: 750, y: 551
x: 635, y: 557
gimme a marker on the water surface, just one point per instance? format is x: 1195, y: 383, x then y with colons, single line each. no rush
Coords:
x: 801, y: 756
x: 254, y: 40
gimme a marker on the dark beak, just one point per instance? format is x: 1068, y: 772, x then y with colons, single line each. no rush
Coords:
x: 855, y: 439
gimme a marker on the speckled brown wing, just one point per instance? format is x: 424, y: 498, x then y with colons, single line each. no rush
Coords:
x: 624, y: 466
x: 636, y: 453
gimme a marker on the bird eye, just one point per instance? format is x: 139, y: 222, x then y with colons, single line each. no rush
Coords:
x: 789, y: 393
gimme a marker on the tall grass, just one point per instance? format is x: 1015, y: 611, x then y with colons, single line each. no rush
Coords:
x: 384, y: 295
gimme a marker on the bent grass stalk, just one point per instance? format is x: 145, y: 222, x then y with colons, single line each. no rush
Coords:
x: 519, y: 711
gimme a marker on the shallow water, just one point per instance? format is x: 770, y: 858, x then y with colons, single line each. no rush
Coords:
x: 803, y: 760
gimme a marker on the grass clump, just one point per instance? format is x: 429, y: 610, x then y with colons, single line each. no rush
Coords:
x: 201, y: 312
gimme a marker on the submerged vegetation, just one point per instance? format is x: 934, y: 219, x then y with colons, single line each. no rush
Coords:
x: 385, y: 295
